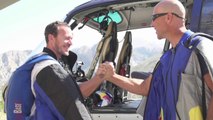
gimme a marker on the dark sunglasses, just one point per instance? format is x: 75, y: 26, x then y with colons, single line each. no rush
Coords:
x: 155, y: 16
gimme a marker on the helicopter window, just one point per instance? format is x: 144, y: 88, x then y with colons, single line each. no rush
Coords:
x: 206, y: 24
x: 115, y: 16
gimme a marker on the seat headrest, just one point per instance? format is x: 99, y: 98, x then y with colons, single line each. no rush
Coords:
x: 110, y: 44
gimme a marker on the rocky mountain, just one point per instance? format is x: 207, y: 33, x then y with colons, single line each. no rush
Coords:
x: 142, y: 59
x: 85, y: 55
x: 9, y: 62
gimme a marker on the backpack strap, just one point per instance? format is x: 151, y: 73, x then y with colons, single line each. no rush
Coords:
x: 190, y: 40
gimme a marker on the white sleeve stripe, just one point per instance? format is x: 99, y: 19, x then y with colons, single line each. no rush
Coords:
x: 37, y: 68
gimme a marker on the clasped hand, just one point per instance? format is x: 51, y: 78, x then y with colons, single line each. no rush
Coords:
x: 105, y: 70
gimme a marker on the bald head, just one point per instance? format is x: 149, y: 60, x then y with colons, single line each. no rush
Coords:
x: 171, y: 24
x: 174, y: 6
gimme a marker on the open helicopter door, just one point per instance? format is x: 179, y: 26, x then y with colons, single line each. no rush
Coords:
x: 108, y: 53
x: 123, y: 66
x: 107, y: 48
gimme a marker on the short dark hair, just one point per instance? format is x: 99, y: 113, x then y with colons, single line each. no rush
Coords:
x: 52, y: 28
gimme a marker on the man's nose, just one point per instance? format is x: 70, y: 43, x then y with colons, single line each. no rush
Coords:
x: 69, y: 41
x: 151, y: 25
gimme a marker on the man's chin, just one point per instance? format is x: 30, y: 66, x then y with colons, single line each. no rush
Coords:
x: 160, y: 37
x: 66, y: 53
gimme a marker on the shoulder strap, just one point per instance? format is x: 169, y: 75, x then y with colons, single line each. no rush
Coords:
x: 39, y: 57
x: 190, y: 39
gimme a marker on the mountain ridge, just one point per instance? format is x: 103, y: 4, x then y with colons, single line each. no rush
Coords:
x: 141, y: 60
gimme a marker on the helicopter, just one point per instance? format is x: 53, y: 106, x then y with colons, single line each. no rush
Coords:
x: 128, y: 19
x: 128, y: 40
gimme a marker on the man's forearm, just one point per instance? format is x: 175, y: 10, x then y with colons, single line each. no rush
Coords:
x: 210, y: 110
x: 137, y: 86
x: 88, y: 87
x: 209, y: 83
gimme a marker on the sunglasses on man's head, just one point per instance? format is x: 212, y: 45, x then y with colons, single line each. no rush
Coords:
x: 155, y: 16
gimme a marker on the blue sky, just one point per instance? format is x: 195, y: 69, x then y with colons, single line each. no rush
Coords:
x: 23, y: 23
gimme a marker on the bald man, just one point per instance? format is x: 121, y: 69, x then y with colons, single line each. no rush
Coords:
x: 172, y: 92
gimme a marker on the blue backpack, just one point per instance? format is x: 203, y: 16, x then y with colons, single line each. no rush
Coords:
x: 19, y: 98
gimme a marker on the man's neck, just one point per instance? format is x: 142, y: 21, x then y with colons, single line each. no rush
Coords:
x: 49, y: 52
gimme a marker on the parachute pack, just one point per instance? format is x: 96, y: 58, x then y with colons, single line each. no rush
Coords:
x: 18, y: 96
x: 187, y: 51
x: 204, y: 107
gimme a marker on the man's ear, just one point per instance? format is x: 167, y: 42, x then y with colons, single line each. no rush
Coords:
x: 50, y: 37
x: 169, y: 18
